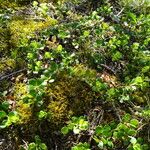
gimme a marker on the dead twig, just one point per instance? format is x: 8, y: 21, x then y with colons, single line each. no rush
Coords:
x: 11, y: 74
x: 116, y: 111
x: 120, y: 12
x: 108, y: 68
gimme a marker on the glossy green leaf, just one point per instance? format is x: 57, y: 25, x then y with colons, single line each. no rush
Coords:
x: 64, y: 130
x: 76, y: 130
x: 86, y: 33
x: 47, y: 55
x: 133, y: 140
x: 101, y: 145
x: 32, y: 146
x: 43, y: 146
x: 2, y: 114
x: 42, y: 114
x: 59, y: 48
x: 126, y: 118
x: 134, y: 123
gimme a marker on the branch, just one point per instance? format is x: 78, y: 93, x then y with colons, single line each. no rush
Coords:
x: 120, y: 12
x: 108, y: 68
x: 11, y: 74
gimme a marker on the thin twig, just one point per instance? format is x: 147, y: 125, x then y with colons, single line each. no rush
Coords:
x: 35, y: 18
x: 120, y: 12
x: 141, y: 127
x: 11, y: 74
x: 115, y: 109
x: 108, y: 68
x: 148, y: 134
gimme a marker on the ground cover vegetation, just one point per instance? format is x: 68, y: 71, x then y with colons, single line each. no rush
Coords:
x: 74, y: 74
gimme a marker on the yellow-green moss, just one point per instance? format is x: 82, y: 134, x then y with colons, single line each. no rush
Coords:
x: 83, y: 72
x: 4, y: 39
x: 14, y: 3
x: 6, y: 64
x: 7, y: 4
x: 25, y: 111
x: 139, y: 98
x: 58, y: 111
x: 67, y: 97
x: 21, y: 29
x: 19, y: 90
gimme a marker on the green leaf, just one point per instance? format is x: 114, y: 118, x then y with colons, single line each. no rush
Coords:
x: 30, y: 56
x: 2, y: 114
x: 126, y: 117
x: 124, y: 98
x: 35, y: 45
x: 71, y: 126
x: 35, y: 82
x: 42, y: 114
x: 134, y: 123
x: 107, y: 131
x: 136, y: 146
x: 64, y: 34
x: 146, y: 69
x: 115, y: 134
x: 59, y: 48
x: 43, y: 146
x: 35, y: 3
x: 32, y: 82
x: 86, y: 33
x: 74, y: 119
x: 39, y: 63
x: 117, y: 56
x: 32, y: 146
x: 64, y: 130
x: 83, y: 125
x: 131, y: 132
x: 138, y: 80
x: 101, y: 145
x: 110, y: 143
x: 98, y: 130
x: 13, y: 117
x: 104, y: 140
x: 132, y: 16
x: 133, y: 140
x: 135, y: 46
x: 32, y: 93
x: 37, y: 140
x: 81, y: 146
x: 44, y: 7
x: 76, y: 130
x: 47, y: 55
x: 111, y: 92
x: 121, y: 126
x: 4, y: 124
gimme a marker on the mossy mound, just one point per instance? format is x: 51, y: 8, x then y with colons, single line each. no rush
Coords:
x: 22, y: 30
x: 68, y: 96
